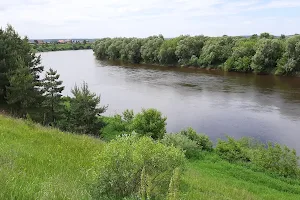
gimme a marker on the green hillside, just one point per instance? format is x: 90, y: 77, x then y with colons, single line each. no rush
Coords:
x: 42, y: 163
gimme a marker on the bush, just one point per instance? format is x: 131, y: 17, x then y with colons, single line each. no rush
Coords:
x: 151, y: 123
x: 278, y: 159
x: 190, y: 147
x: 232, y: 150
x: 202, y: 141
x: 127, y: 162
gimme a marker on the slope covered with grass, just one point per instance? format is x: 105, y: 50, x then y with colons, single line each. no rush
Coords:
x: 42, y: 163
x: 37, y: 162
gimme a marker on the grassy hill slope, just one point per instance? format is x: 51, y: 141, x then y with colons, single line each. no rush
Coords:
x: 41, y: 163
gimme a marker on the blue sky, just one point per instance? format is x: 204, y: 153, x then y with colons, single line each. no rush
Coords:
x: 113, y: 18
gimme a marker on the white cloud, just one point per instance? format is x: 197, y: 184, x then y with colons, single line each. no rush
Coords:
x: 101, y: 18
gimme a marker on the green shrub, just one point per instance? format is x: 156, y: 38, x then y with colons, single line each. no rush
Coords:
x: 232, y: 150
x: 150, y: 122
x: 190, y: 147
x: 119, y: 168
x: 202, y: 141
x: 277, y: 159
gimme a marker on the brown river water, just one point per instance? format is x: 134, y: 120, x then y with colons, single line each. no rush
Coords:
x: 212, y: 102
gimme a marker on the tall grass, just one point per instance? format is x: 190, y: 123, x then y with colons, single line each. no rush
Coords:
x: 37, y: 162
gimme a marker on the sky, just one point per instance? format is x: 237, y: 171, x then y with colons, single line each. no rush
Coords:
x: 41, y: 19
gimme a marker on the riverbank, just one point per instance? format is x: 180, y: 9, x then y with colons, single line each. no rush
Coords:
x: 45, y: 163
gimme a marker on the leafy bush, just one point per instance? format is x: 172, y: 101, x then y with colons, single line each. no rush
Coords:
x: 202, y: 141
x: 232, y: 150
x: 272, y: 157
x: 278, y: 159
x: 150, y: 122
x: 120, y: 166
x: 180, y: 141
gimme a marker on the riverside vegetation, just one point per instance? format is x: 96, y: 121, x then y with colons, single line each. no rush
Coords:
x: 60, y: 47
x: 126, y: 156
x: 263, y: 54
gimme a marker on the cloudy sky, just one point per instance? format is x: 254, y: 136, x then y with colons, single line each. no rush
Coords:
x: 141, y: 18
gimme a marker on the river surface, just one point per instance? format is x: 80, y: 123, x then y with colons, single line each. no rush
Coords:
x: 212, y: 102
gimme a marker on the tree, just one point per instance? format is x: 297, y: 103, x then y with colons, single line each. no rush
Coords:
x: 216, y: 51
x: 21, y: 91
x: 189, y: 47
x: 81, y: 113
x: 52, y: 92
x: 150, y: 122
x: 150, y: 49
x: 266, y: 36
x: 240, y: 60
x: 290, y: 62
x: 19, y: 65
x: 266, y: 56
x: 167, y: 50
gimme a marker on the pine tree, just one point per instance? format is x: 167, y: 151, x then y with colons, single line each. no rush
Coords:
x: 52, y: 89
x: 82, y: 112
x: 21, y: 92
x: 19, y: 65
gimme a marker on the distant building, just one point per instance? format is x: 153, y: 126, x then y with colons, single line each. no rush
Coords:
x: 39, y: 41
x: 61, y: 41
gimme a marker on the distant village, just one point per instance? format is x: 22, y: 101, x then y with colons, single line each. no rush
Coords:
x: 67, y: 41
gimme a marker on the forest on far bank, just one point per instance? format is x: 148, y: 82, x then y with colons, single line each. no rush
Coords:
x: 260, y: 54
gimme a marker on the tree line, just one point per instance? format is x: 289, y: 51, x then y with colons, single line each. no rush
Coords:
x: 60, y: 47
x: 261, y: 54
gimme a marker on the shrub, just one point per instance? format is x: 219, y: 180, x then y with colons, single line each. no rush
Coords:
x: 232, y: 150
x: 180, y: 141
x: 127, y: 160
x: 202, y: 141
x: 278, y: 159
x: 151, y: 123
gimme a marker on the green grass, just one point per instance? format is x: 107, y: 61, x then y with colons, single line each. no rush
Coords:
x: 213, y: 178
x: 42, y: 163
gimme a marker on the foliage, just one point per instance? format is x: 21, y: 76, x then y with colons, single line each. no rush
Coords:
x: 60, y: 47
x: 150, y: 49
x: 203, y: 142
x: 150, y: 122
x: 273, y: 158
x: 259, y: 54
x: 81, y: 113
x: 216, y: 51
x: 240, y: 60
x: 21, y: 91
x: 52, y: 92
x: 277, y: 159
x: 190, y: 147
x: 268, y: 52
x: 290, y: 62
x: 231, y: 150
x: 20, y: 71
x: 127, y: 160
x: 189, y: 48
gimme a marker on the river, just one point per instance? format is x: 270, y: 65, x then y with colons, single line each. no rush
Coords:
x: 212, y: 102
